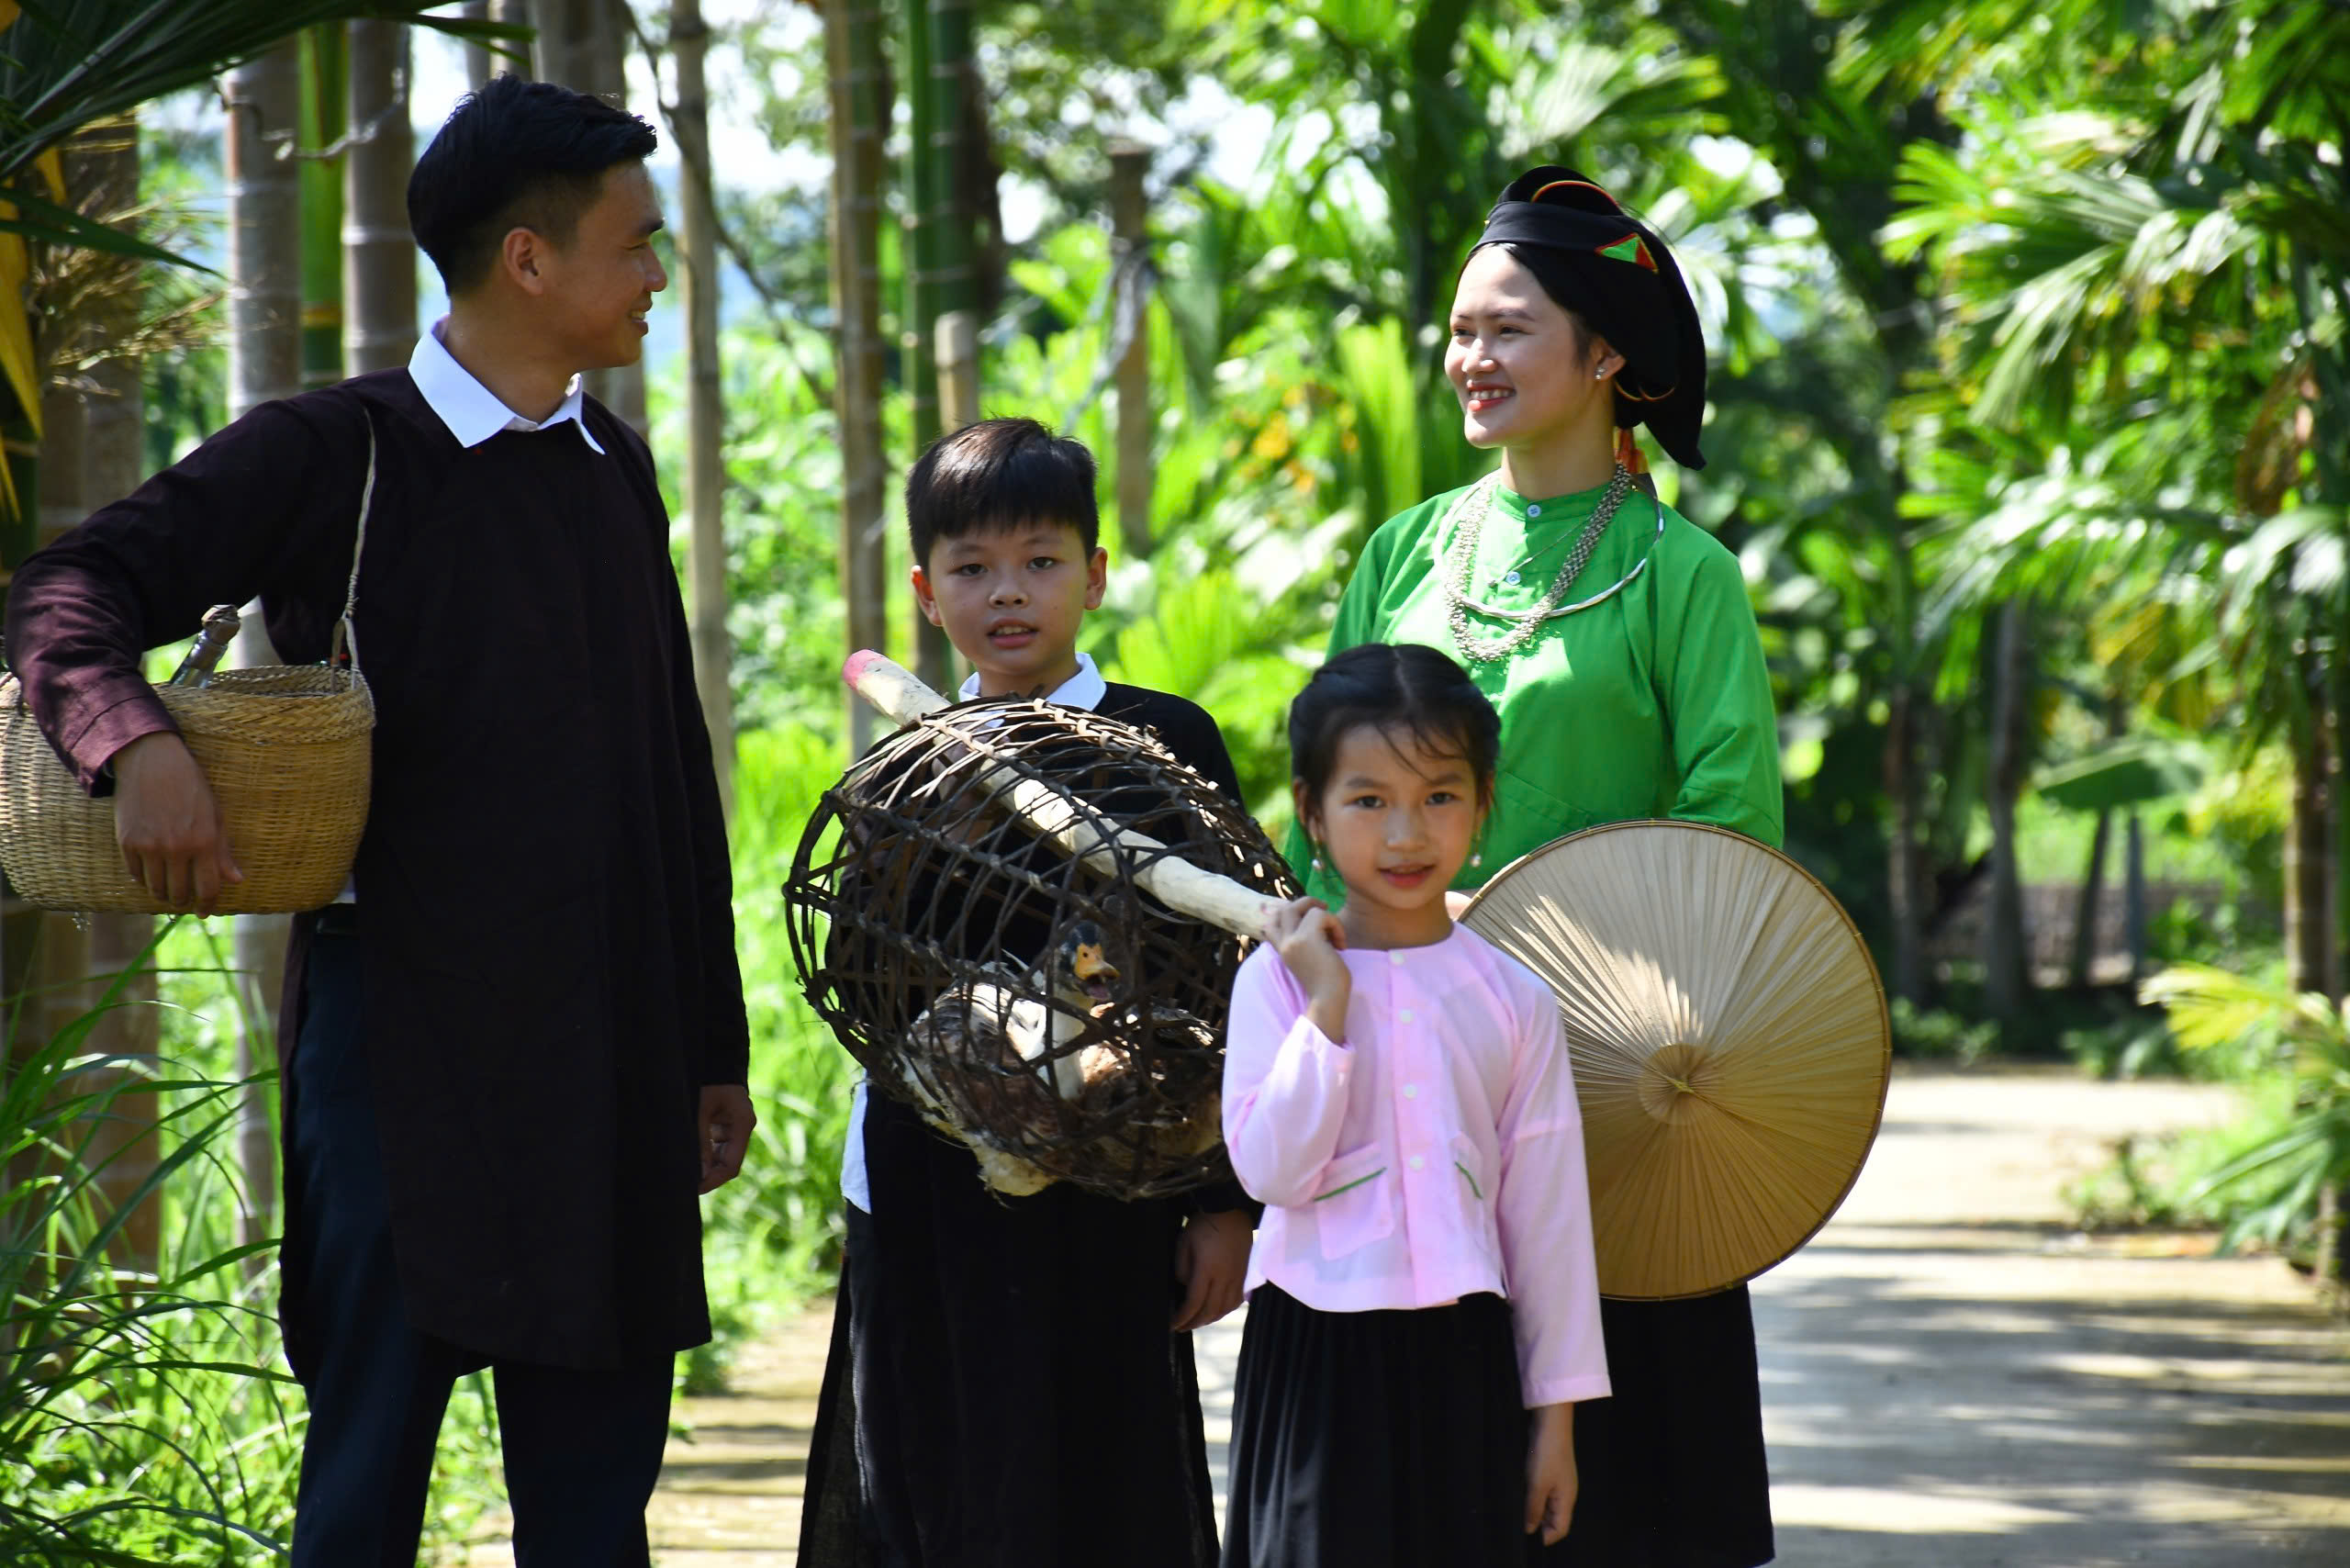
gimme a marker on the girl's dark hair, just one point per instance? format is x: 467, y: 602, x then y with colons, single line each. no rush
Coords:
x: 1401, y: 688
x: 516, y: 154
x: 997, y: 476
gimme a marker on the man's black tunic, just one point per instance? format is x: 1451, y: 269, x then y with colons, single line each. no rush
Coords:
x: 543, y: 890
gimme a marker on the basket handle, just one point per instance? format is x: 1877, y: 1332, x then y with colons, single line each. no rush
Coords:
x: 346, y: 631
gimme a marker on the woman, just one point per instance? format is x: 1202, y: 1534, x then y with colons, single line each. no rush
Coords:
x: 1617, y: 640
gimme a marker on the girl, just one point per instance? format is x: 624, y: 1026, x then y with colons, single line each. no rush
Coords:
x: 1397, y: 1093
x: 1615, y: 638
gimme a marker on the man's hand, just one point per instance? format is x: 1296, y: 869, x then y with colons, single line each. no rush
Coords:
x: 1211, y: 1265
x: 1550, y: 1480
x: 726, y: 1124
x: 174, y: 840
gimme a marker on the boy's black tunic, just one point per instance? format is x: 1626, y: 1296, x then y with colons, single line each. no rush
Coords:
x: 1018, y: 1397
x: 543, y: 888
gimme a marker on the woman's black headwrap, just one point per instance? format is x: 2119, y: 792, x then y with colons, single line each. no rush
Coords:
x: 1614, y: 272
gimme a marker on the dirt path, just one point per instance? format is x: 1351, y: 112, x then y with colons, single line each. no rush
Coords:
x: 1952, y: 1379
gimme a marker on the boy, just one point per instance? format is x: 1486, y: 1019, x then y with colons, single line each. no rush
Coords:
x: 495, y: 1126
x: 1004, y: 1385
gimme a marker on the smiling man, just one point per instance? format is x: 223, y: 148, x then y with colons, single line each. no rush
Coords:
x: 515, y: 1052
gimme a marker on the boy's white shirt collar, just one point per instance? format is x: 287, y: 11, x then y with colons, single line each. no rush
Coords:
x: 1084, y: 689
x: 473, y: 411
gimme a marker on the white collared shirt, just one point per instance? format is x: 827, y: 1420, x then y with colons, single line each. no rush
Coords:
x: 1084, y: 689
x: 472, y: 411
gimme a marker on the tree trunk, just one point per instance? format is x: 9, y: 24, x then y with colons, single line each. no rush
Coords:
x: 1129, y: 219
x: 326, y: 97
x: 933, y: 653
x: 2133, y: 901
x: 583, y: 45
x: 378, y: 251
x: 1905, y: 877
x: 2006, y: 978
x: 2333, y: 1201
x: 480, y: 64
x: 2309, y: 935
x: 859, y: 93
x: 698, y: 275
x: 521, y: 14
x: 2085, y: 911
x: 265, y: 233
x: 2309, y: 922
x: 957, y: 352
x: 93, y: 453
x: 264, y: 363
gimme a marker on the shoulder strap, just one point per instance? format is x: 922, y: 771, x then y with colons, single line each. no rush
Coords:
x: 346, y: 631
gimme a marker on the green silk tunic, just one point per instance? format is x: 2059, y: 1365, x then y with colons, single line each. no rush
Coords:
x: 1653, y: 703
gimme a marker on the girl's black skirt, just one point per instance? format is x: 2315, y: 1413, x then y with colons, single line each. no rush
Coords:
x: 1377, y: 1440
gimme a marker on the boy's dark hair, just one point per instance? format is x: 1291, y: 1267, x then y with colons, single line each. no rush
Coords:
x: 1405, y: 689
x: 993, y: 477
x: 516, y: 154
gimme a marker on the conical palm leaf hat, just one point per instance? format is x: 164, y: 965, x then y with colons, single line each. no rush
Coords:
x: 1730, y: 1040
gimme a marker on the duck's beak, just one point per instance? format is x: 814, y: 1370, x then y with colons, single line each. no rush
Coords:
x: 1094, y: 971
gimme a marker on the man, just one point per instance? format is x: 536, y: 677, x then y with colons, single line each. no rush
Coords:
x: 518, y: 1047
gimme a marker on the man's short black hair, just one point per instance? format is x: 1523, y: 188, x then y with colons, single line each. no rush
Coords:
x: 516, y: 154
x: 996, y: 475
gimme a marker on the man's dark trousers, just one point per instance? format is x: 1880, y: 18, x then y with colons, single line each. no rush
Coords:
x: 582, y: 1449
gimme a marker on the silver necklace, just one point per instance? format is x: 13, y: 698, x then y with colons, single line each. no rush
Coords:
x: 1466, y: 523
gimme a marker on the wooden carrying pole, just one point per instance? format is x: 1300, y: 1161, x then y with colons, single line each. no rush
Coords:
x: 1178, y: 884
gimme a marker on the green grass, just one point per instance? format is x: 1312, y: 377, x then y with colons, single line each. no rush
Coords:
x: 771, y: 1237
x: 147, y: 1415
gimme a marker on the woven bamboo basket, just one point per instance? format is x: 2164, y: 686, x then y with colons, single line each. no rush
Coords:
x: 285, y: 749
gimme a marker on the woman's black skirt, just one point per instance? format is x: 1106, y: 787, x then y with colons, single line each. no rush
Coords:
x: 1377, y: 1440
x: 1670, y: 1469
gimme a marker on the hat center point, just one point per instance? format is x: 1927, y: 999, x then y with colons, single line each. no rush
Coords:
x: 1675, y: 1080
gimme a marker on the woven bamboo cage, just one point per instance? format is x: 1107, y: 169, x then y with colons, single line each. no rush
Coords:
x: 285, y: 748
x: 1040, y: 1006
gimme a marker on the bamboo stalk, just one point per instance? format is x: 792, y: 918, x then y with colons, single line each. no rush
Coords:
x: 264, y: 363
x: 1053, y: 814
x: 1129, y: 217
x: 697, y: 280
x: 378, y: 251
x: 925, y: 216
x: 853, y: 56
x: 326, y: 88
x: 958, y: 369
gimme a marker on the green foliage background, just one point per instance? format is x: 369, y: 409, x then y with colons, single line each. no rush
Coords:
x: 2038, y: 307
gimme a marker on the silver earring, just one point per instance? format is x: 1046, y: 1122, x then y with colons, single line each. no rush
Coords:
x: 1317, y: 863
x: 1477, y: 858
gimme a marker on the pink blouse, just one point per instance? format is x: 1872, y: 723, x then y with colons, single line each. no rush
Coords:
x: 1439, y: 1152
